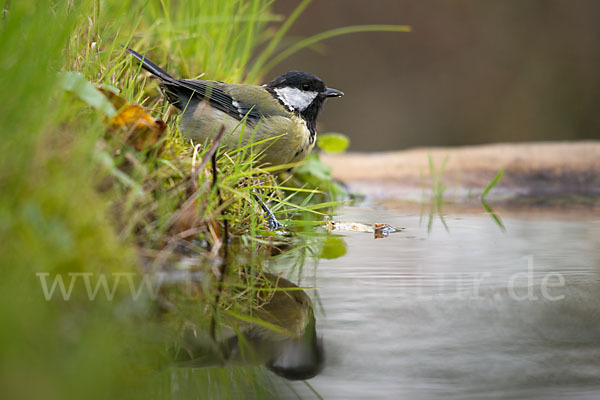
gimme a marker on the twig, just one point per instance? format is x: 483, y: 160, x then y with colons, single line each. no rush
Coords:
x: 224, y: 240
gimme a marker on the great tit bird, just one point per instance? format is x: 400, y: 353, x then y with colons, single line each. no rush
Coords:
x: 284, y: 109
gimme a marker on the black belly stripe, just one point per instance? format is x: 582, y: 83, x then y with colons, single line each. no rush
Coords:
x: 313, y: 132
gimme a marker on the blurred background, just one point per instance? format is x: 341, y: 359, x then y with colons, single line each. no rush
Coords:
x: 470, y: 72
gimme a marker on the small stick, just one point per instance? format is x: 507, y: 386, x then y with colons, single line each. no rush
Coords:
x: 225, y: 241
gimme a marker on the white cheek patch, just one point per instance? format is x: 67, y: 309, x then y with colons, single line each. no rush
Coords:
x: 294, y: 98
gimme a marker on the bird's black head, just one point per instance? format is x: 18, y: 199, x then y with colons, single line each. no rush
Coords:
x: 302, y: 93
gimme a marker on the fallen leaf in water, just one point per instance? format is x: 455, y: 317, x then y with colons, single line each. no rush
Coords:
x: 383, y: 230
x: 379, y: 230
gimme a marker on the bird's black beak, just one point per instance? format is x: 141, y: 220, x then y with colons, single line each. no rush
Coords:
x: 332, y: 93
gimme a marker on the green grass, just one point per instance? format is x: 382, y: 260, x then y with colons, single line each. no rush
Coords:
x: 75, y: 198
x: 436, y: 193
x: 433, y: 191
x: 492, y: 183
x: 497, y: 220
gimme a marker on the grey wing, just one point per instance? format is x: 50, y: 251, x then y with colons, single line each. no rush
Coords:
x: 211, y: 91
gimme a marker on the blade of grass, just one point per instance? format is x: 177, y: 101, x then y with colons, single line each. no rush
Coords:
x: 296, y: 47
x: 258, y: 66
x: 492, y: 183
x: 495, y: 217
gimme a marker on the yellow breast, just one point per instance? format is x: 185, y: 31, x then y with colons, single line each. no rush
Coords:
x: 284, y: 139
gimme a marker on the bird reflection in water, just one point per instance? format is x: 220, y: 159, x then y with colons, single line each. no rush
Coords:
x: 281, y: 335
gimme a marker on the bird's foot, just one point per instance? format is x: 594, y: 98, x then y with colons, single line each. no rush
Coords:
x: 272, y: 222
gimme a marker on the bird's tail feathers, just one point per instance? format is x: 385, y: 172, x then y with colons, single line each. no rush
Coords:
x: 151, y: 67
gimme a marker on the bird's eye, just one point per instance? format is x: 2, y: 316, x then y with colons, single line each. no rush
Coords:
x: 305, y: 86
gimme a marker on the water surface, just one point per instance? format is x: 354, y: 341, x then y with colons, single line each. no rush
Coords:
x: 472, y: 312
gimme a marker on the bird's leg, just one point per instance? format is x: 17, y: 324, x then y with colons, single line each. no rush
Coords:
x: 272, y: 222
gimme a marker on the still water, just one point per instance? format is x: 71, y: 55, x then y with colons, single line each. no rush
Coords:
x: 465, y: 313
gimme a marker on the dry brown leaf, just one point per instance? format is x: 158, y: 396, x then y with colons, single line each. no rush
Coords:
x: 133, y: 125
x: 142, y: 131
